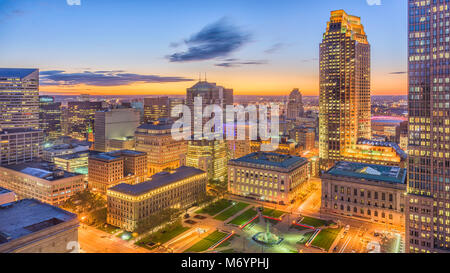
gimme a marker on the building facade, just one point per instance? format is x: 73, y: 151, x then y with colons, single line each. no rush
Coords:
x: 374, y: 193
x: 109, y: 169
x: 428, y: 208
x: 20, y: 137
x: 6, y: 196
x: 50, y: 117
x: 164, y: 153
x: 131, y: 205
x: 295, y: 105
x: 344, y: 115
x: 42, y: 181
x: 29, y: 226
x: 113, y: 127
x: 268, y: 177
x: 209, y: 156
x: 80, y: 118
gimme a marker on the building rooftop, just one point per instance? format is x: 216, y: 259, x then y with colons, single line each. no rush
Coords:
x: 41, y: 169
x: 27, y: 216
x: 394, y: 145
x: 160, y: 125
x: 3, y: 190
x: 158, y: 180
x: 74, y: 155
x: 16, y: 72
x: 115, y: 155
x: 390, y: 174
x: 271, y: 159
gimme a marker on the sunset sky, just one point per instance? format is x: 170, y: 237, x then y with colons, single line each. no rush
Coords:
x: 256, y: 47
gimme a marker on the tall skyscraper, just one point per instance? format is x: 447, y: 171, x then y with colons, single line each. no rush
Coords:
x: 428, y: 205
x: 50, y: 117
x: 344, y: 115
x: 114, y: 129
x: 20, y: 137
x: 295, y: 105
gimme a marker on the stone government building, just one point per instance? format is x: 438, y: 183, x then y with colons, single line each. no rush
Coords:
x: 374, y: 193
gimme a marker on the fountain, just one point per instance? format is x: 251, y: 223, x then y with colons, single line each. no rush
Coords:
x: 267, y: 237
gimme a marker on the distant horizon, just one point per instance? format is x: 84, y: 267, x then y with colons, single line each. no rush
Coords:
x: 139, y: 47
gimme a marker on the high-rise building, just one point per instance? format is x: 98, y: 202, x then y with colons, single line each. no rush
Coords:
x: 20, y: 137
x: 344, y: 86
x: 80, y: 117
x: 210, y: 94
x: 295, y: 105
x: 115, y: 129
x: 156, y: 108
x: 164, y: 153
x: 428, y: 205
x: 50, y: 117
x: 209, y: 156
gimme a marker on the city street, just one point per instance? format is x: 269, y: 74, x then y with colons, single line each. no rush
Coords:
x: 93, y: 240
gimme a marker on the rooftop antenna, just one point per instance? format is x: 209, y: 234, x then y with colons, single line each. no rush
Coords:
x: 199, y: 76
x: 205, y: 77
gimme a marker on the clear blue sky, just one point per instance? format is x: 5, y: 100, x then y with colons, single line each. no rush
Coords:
x: 277, y: 50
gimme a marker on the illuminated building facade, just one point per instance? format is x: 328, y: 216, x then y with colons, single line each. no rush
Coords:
x: 80, y: 118
x: 156, y: 108
x: 109, y: 169
x: 115, y: 129
x: 367, y: 192
x: 376, y: 152
x: 20, y: 137
x: 428, y: 207
x: 41, y: 180
x: 305, y: 137
x: 344, y: 115
x: 295, y: 105
x: 268, y: 177
x: 209, y: 156
x: 162, y: 150
x: 284, y: 146
x: 50, y: 117
x: 131, y: 205
x: 75, y: 163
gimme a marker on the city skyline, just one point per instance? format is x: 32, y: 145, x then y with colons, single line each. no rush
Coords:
x: 90, y: 51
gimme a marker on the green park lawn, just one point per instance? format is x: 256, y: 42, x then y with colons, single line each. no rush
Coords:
x: 244, y: 217
x: 314, y: 222
x: 215, y: 207
x: 272, y: 213
x: 325, y: 238
x: 164, y: 235
x: 231, y: 211
x: 206, y: 243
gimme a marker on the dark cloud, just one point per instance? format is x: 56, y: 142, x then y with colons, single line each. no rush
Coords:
x: 274, y: 48
x: 216, y: 40
x: 235, y: 63
x: 102, y: 78
x: 398, y: 73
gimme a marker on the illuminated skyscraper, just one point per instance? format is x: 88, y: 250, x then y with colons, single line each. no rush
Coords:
x: 81, y: 116
x: 428, y: 202
x: 50, y: 117
x: 344, y: 115
x: 20, y: 139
